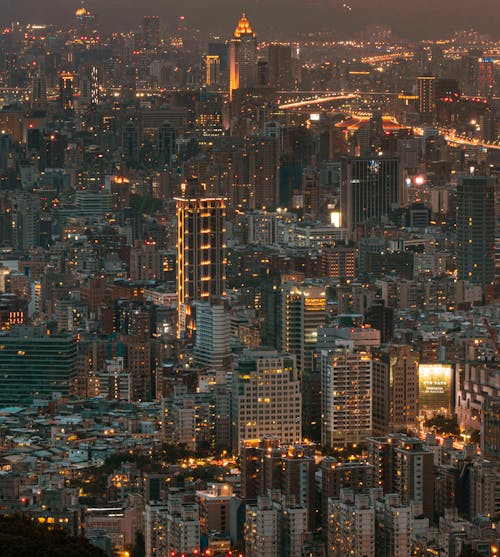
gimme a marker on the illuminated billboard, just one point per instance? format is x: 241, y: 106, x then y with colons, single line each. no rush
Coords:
x: 434, y: 386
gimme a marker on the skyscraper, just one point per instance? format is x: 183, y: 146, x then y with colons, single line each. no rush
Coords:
x: 280, y: 66
x: 201, y: 247
x: 476, y: 229
x: 151, y: 31
x: 427, y: 102
x: 213, y: 336
x: 266, y: 398
x: 66, y: 100
x: 212, y: 75
x: 303, y: 311
x: 370, y: 185
x: 38, y: 99
x: 242, y: 57
x: 35, y: 364
x: 346, y: 401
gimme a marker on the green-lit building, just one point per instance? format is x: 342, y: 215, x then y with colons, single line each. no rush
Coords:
x: 35, y: 364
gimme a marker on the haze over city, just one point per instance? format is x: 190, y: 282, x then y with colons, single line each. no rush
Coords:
x: 413, y: 20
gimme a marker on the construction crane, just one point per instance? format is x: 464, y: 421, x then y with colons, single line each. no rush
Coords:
x: 493, y: 336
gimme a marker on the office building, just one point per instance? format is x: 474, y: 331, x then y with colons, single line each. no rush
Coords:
x: 35, y: 364
x: 280, y: 70
x: 476, y: 229
x: 201, y: 247
x: 212, y: 347
x: 38, y: 98
x: 426, y: 102
x: 212, y: 69
x: 303, y: 310
x: 266, y: 398
x: 151, y: 32
x: 167, y: 146
x: 369, y: 188
x: 242, y: 57
x: 395, y: 390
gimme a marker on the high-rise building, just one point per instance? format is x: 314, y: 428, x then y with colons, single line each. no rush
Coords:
x: 346, y: 399
x: 402, y: 465
x: 275, y: 526
x: 335, y: 476
x: 266, y: 398
x: 490, y: 429
x: 427, y: 103
x: 303, y: 310
x: 369, y: 187
x: 242, y: 57
x: 130, y: 142
x: 351, y: 525
x: 182, y: 523
x: 66, y: 100
x: 38, y: 99
x: 213, y: 341
x: 89, y: 86
x: 35, y: 364
x: 393, y: 527
x: 476, y: 229
x: 25, y: 222
x: 395, y: 390
x: 280, y: 66
x: 201, y: 263
x: 151, y: 31
x: 212, y: 68
x: 166, y: 143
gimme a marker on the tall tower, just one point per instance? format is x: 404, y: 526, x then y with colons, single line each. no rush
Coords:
x: 201, y: 262
x: 280, y: 66
x: 476, y: 229
x: 426, y: 96
x: 66, y: 101
x: 303, y: 310
x: 38, y: 99
x: 242, y: 57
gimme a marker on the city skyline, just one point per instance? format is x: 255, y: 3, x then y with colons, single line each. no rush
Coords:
x: 415, y: 21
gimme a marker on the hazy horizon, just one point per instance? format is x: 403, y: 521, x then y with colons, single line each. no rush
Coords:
x: 413, y: 20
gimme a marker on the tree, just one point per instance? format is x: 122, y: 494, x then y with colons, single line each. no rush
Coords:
x: 21, y: 536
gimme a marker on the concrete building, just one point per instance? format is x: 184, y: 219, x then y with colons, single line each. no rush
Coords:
x: 346, y: 400
x: 266, y: 398
x: 351, y: 526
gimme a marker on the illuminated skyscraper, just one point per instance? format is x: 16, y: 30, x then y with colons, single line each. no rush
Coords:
x: 201, y: 262
x: 476, y: 229
x: 303, y: 311
x: 243, y: 57
x: 212, y: 63
x: 66, y: 101
x: 426, y: 95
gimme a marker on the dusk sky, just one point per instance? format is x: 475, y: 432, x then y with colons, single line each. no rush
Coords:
x: 412, y: 19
